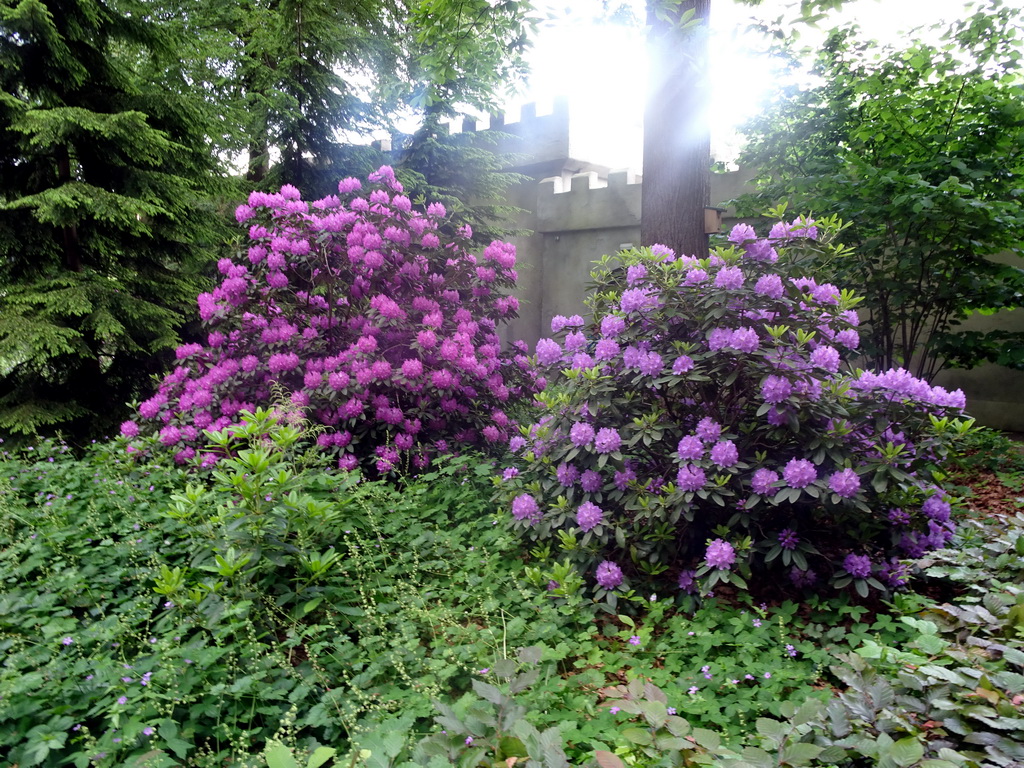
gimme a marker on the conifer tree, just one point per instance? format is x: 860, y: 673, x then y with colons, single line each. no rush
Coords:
x: 105, y: 220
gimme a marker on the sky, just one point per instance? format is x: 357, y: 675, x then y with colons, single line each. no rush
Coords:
x: 601, y: 67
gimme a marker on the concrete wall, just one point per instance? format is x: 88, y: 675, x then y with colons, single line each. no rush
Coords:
x: 579, y: 211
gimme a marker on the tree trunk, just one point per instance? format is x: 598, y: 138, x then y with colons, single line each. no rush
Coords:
x: 69, y: 232
x: 677, y: 137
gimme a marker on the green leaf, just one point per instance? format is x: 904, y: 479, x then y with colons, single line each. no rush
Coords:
x: 906, y: 752
x: 638, y: 736
x: 278, y: 755
x: 322, y: 754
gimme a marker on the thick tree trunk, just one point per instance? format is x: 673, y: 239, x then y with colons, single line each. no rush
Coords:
x: 677, y: 138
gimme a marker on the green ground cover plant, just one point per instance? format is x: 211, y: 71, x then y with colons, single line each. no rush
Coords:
x: 159, y: 617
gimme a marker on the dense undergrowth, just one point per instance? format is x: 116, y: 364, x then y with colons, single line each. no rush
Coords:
x: 268, y: 611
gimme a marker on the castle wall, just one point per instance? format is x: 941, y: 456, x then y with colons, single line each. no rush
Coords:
x: 578, y: 211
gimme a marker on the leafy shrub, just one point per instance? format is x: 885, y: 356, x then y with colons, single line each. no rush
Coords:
x: 212, y: 614
x: 386, y: 335
x: 949, y: 696
x: 704, y: 428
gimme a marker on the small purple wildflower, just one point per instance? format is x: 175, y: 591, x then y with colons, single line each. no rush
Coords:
x: 634, y: 640
x: 614, y: 710
x: 67, y: 641
x: 790, y: 650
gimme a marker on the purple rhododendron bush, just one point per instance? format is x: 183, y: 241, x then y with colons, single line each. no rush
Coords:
x: 357, y: 311
x: 706, y: 426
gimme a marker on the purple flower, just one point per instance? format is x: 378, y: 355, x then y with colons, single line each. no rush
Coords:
x: 719, y: 338
x: 756, y: 622
x: 775, y: 389
x: 525, y: 506
x: 682, y: 365
x: 612, y: 325
x: 858, y: 566
x: 591, y: 481
x: 720, y: 554
x: 624, y: 477
x: 899, y: 517
x: 635, y: 274
x: 742, y: 232
x: 650, y: 364
x: 763, y: 481
x: 894, y: 573
x: 588, y: 516
x: 548, y: 352
x: 690, y: 478
x: 614, y: 710
x: 469, y: 741
x: 67, y: 641
x: 744, y: 340
x: 575, y: 340
x: 788, y: 538
x: 799, y: 473
x: 687, y: 581
x: 122, y: 700
x: 693, y: 689
x: 729, y: 278
x: 609, y: 575
x: 670, y: 710
x: 708, y: 429
x: 845, y: 483
x: 690, y: 448
x: 581, y: 434
x: 770, y: 286
x: 634, y: 640
x: 148, y: 731
x: 607, y: 440
x: 567, y: 474
x: 848, y: 338
x: 558, y: 323
x: 635, y: 299
x: 826, y: 357
x: 724, y: 454
x: 937, y: 508
x: 606, y: 349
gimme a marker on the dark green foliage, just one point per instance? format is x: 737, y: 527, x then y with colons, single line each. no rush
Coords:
x: 105, y: 214
x: 921, y: 152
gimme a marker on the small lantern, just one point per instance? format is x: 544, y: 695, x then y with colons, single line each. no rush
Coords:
x: 713, y: 220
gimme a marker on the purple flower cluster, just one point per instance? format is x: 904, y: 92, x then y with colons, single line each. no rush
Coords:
x: 760, y: 421
x: 858, y: 566
x: 720, y: 554
x: 588, y: 516
x: 375, y: 329
x: 608, y: 575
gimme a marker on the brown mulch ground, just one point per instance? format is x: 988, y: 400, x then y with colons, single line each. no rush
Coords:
x: 989, y: 495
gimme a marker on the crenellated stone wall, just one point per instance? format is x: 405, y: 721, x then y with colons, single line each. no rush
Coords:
x: 578, y: 211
